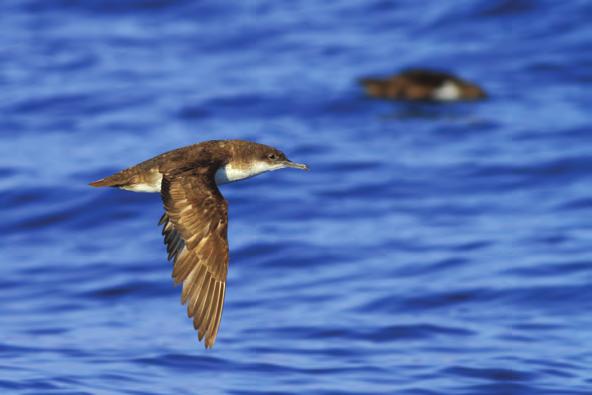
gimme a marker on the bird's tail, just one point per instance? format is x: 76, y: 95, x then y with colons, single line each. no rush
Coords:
x: 115, y: 180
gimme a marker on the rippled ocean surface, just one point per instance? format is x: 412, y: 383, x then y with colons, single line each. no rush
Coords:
x: 432, y: 249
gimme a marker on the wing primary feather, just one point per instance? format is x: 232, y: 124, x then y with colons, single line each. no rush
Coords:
x: 204, y: 323
x: 210, y: 335
x: 174, y: 247
x: 191, y: 282
x: 218, y: 317
x: 194, y: 300
x: 183, y: 267
x: 213, y: 309
x: 169, y: 236
x: 200, y: 306
x: 163, y: 219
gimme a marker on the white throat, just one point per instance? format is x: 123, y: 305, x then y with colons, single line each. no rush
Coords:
x: 449, y: 91
x: 228, y: 173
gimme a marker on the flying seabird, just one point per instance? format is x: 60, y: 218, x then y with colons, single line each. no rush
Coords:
x: 420, y: 84
x: 195, y: 219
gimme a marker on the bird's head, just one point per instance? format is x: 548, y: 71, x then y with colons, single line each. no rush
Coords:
x: 249, y: 159
x: 270, y: 158
x: 471, y: 91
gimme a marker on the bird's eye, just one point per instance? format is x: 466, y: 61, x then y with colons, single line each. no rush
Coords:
x: 272, y: 157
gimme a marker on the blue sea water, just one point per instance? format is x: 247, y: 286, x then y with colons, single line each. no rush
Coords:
x: 431, y: 249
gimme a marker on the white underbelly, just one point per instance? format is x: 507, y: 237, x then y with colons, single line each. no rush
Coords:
x: 151, y: 185
x: 142, y: 188
x: 228, y: 173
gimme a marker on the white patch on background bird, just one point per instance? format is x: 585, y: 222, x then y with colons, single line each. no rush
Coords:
x: 448, y: 91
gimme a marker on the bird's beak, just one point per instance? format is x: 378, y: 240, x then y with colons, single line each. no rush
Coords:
x: 295, y: 165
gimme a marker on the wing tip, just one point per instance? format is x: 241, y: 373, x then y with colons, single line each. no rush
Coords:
x: 209, y: 343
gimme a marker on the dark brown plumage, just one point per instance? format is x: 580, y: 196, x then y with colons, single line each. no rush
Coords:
x: 195, y: 221
x: 419, y: 84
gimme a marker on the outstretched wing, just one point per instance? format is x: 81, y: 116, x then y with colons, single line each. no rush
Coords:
x: 195, y: 230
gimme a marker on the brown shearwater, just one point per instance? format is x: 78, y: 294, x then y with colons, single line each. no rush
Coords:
x: 195, y: 219
x: 419, y: 84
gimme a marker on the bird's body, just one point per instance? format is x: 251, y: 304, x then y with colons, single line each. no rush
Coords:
x: 196, y: 215
x: 426, y: 85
